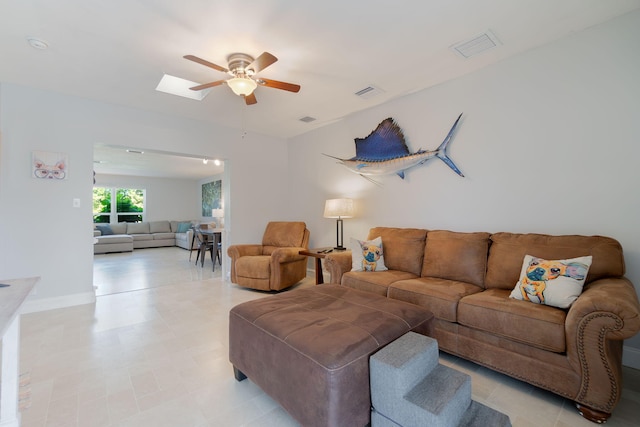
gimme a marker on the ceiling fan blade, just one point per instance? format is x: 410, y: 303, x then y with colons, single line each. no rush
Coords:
x: 205, y: 63
x: 250, y: 99
x: 262, y: 62
x: 208, y: 85
x: 279, y: 85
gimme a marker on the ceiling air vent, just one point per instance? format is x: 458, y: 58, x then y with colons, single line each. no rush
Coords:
x: 307, y: 119
x: 369, y: 92
x: 476, y: 45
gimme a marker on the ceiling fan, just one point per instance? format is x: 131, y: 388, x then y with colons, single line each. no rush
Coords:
x: 243, y: 68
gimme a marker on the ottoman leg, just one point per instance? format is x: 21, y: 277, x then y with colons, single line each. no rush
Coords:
x: 238, y: 374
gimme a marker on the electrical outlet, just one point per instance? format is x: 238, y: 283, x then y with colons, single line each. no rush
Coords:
x: 76, y: 203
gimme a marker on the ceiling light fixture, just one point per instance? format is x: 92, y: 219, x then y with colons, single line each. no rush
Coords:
x: 205, y: 161
x: 242, y: 86
x: 37, y: 43
x: 216, y: 162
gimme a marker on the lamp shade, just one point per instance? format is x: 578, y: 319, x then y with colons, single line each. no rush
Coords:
x: 338, y: 208
x: 242, y: 85
x: 217, y: 213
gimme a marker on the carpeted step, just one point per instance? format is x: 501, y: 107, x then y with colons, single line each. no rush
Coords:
x: 398, y: 367
x: 409, y: 388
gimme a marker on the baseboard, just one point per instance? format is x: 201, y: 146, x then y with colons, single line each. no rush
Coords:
x: 631, y: 357
x: 42, y: 304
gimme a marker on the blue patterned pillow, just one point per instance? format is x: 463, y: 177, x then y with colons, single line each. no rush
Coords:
x: 183, y: 227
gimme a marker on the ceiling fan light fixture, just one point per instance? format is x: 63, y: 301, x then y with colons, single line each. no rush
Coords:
x: 242, y: 85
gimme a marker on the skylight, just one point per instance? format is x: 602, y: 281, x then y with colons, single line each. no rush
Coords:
x: 177, y: 86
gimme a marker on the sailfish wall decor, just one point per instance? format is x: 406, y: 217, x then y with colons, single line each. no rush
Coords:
x: 385, y: 152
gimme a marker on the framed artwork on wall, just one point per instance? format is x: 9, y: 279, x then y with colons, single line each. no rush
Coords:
x: 211, y: 197
x: 48, y: 165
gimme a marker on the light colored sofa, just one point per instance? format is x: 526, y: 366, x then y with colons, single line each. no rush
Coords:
x: 127, y: 236
x: 466, y: 280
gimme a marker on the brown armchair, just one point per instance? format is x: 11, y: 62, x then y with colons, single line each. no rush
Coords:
x: 276, y: 263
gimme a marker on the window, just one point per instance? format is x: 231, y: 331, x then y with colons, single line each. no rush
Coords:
x: 112, y: 205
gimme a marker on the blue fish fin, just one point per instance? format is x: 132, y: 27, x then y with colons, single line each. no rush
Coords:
x: 441, y: 151
x: 400, y: 174
x: 449, y: 162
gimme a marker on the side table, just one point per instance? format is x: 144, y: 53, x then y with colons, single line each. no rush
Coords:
x: 318, y: 254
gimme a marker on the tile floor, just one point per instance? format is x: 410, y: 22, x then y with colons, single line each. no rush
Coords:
x: 154, y: 353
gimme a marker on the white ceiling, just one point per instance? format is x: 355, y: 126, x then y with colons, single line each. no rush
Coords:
x: 116, y: 160
x: 117, y: 51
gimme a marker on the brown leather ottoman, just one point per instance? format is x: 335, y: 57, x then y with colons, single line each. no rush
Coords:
x: 309, y: 348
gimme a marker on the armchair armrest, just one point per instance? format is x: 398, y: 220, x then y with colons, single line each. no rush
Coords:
x: 282, y: 255
x: 338, y: 263
x: 237, y: 251
x: 606, y: 313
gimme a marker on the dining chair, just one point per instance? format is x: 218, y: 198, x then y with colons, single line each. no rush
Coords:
x: 205, y: 243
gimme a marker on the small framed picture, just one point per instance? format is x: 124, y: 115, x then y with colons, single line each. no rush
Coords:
x: 48, y: 165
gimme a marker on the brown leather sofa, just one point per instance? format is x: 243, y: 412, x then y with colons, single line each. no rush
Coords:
x: 465, y: 279
x: 276, y: 263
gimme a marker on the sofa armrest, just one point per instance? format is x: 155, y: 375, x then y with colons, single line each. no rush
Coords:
x: 97, y: 233
x: 606, y: 313
x: 615, y: 298
x: 338, y: 263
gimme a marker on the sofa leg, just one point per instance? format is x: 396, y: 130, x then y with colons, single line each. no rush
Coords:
x: 592, y: 414
x: 237, y: 373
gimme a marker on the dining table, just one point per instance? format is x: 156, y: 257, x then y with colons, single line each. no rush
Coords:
x: 213, y: 235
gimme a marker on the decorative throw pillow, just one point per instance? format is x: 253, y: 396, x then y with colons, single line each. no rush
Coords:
x: 183, y: 227
x: 557, y: 283
x: 105, y: 230
x: 367, y: 255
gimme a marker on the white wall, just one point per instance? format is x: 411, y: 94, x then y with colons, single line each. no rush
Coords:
x: 165, y: 199
x: 549, y: 143
x: 43, y: 235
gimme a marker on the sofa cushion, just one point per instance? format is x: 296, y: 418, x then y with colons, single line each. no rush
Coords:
x: 508, y: 250
x: 138, y: 228
x: 403, y: 247
x: 142, y: 237
x: 440, y: 296
x: 367, y: 255
x: 456, y: 256
x: 119, y: 228
x: 159, y: 227
x: 556, y: 283
x: 105, y: 230
x: 492, y: 311
x: 377, y: 282
x: 163, y: 236
x: 114, y: 239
